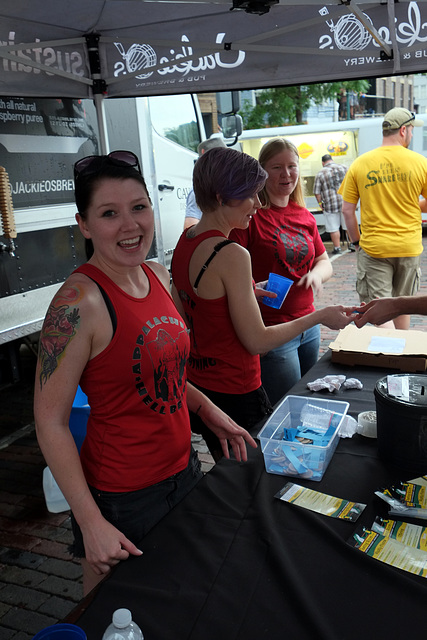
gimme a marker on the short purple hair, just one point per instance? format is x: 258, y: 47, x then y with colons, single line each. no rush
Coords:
x: 226, y: 173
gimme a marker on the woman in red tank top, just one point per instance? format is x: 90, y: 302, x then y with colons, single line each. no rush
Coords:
x: 213, y: 288
x: 113, y: 328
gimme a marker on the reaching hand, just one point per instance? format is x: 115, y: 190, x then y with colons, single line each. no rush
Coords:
x: 377, y: 312
x: 337, y: 317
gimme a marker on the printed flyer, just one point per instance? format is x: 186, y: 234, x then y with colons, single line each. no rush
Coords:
x: 390, y: 551
x: 405, y: 499
x: 320, y: 502
x: 411, y: 535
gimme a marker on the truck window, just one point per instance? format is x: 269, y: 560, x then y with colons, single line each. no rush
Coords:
x: 175, y: 118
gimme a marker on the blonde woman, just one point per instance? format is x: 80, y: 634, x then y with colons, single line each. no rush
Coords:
x: 283, y: 238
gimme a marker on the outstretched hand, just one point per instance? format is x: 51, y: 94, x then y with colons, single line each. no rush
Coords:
x: 337, y: 316
x: 377, y: 312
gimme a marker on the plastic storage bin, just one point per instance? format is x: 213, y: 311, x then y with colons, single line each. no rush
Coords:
x: 298, y: 417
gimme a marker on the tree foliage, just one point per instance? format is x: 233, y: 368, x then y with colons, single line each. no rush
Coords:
x: 286, y: 105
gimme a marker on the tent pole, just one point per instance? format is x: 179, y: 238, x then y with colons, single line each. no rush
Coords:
x: 99, y: 88
x: 102, y: 123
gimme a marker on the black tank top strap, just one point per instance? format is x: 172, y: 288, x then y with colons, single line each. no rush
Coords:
x: 108, y: 304
x: 217, y: 249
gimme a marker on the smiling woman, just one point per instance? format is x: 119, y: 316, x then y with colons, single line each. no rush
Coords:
x: 283, y: 238
x: 113, y: 329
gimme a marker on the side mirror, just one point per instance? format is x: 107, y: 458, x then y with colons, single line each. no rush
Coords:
x: 232, y: 127
x: 228, y: 102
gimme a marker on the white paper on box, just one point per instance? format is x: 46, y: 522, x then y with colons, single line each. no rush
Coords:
x: 380, y: 344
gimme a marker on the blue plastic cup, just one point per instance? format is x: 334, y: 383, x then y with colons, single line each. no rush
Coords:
x: 280, y: 285
x: 61, y: 632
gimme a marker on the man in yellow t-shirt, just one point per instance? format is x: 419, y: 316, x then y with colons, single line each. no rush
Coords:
x: 388, y: 181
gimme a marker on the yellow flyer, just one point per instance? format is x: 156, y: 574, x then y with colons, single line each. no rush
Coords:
x: 412, y: 535
x: 320, y: 502
x: 390, y: 551
x: 422, y: 481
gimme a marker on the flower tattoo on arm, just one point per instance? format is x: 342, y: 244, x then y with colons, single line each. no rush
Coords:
x: 58, y: 330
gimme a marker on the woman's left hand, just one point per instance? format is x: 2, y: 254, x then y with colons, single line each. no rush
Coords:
x: 261, y: 291
x: 312, y: 279
x: 227, y: 431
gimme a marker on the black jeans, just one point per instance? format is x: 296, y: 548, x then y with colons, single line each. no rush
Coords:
x: 134, y: 513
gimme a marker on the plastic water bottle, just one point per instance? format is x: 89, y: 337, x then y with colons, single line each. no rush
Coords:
x: 122, y: 627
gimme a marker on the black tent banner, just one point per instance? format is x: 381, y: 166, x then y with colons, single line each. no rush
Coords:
x: 136, y: 47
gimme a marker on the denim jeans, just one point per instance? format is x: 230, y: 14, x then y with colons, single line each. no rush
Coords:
x: 281, y: 368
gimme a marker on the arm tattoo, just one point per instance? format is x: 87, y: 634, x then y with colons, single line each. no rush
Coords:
x: 58, y: 329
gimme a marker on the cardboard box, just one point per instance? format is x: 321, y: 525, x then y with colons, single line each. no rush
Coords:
x: 374, y: 347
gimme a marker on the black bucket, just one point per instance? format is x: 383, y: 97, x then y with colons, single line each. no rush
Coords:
x: 402, y: 425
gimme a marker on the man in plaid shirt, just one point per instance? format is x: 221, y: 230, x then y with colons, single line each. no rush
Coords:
x: 326, y: 184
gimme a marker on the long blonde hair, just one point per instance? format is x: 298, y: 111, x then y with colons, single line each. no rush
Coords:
x: 268, y: 151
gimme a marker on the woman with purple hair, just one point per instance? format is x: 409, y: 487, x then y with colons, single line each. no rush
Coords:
x: 214, y: 290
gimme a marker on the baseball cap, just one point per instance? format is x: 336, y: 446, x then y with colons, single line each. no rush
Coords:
x: 397, y: 117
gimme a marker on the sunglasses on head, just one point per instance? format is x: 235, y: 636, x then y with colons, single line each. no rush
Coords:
x: 413, y: 116
x: 92, y: 164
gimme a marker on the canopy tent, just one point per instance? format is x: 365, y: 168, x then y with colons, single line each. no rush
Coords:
x: 150, y: 47
x: 145, y: 47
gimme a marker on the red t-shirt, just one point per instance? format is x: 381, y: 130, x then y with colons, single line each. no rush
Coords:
x: 283, y: 240
x: 218, y: 361
x: 138, y: 431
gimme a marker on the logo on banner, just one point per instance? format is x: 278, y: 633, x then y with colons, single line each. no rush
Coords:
x: 349, y: 34
x: 138, y: 57
x: 181, y: 64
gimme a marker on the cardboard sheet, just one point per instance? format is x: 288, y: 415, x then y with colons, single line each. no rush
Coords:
x: 388, y: 348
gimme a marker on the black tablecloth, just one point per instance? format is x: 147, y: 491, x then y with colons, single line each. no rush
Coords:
x: 232, y: 562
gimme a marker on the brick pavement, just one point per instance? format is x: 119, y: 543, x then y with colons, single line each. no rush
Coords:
x: 39, y: 582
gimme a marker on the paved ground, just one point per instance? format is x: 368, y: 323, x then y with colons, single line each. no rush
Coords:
x: 39, y: 582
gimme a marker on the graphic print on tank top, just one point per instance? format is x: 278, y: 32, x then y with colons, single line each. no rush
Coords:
x: 293, y: 248
x: 167, y: 348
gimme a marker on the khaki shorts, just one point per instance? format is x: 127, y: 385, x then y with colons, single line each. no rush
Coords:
x: 386, y: 277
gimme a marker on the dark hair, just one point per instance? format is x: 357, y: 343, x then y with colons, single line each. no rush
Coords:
x: 268, y: 151
x: 326, y: 157
x: 226, y: 173
x: 387, y: 133
x: 85, y: 185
